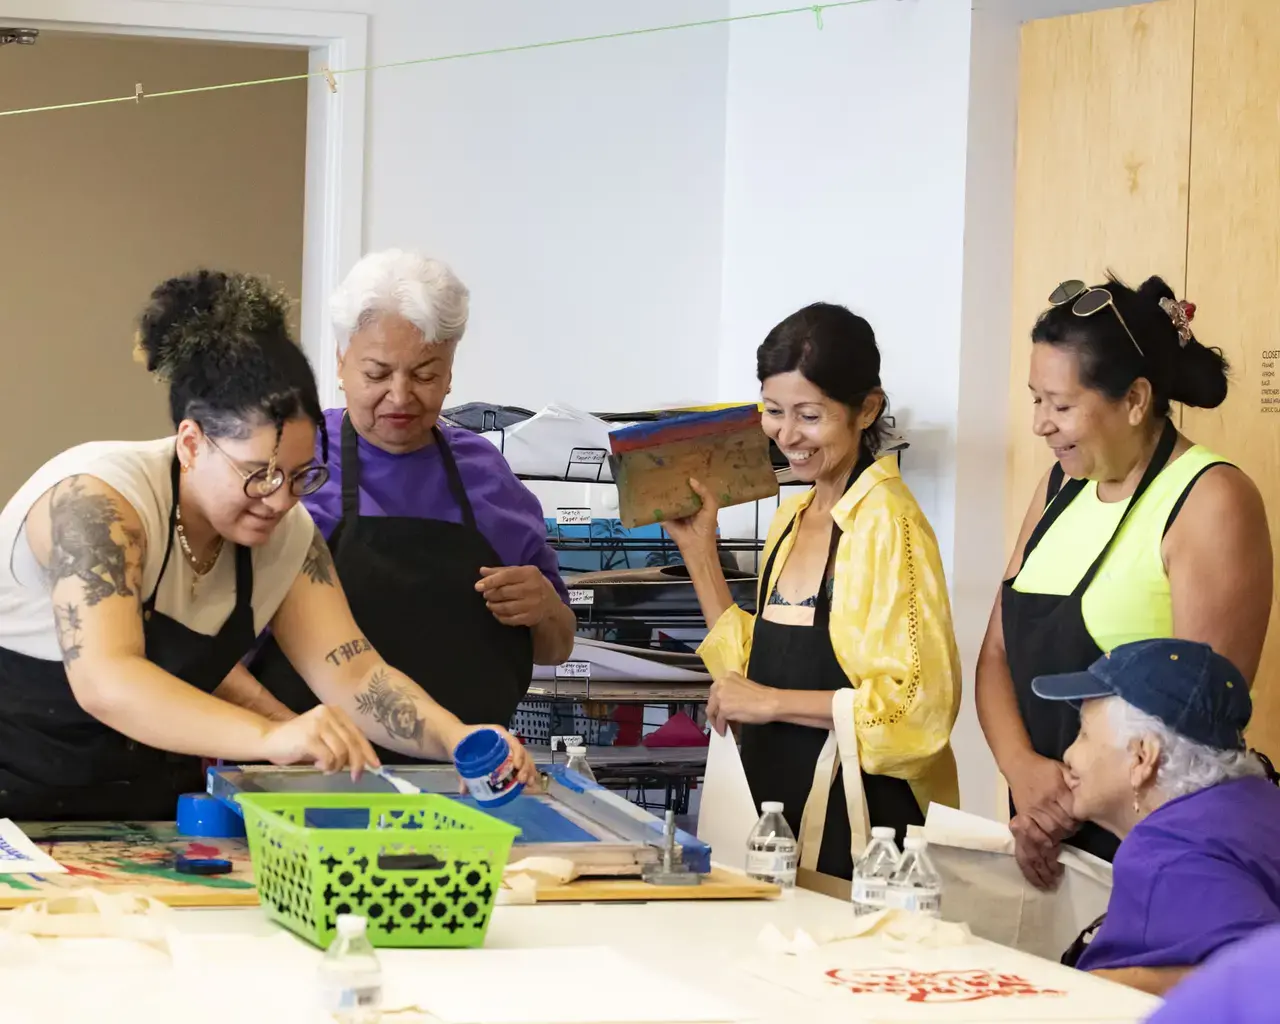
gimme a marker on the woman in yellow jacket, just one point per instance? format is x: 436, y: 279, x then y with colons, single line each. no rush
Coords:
x: 852, y: 595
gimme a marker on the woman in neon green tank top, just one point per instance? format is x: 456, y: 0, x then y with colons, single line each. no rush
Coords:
x: 1135, y: 533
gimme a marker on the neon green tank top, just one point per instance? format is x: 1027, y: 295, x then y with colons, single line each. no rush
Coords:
x: 1129, y: 598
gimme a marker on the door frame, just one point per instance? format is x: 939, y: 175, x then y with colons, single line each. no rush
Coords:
x: 333, y: 221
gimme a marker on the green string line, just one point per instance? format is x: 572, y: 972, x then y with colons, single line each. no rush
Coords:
x: 814, y: 9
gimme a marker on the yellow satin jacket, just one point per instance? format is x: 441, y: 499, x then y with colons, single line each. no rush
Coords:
x: 890, y: 628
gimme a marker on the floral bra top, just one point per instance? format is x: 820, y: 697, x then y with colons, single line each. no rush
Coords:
x: 809, y: 602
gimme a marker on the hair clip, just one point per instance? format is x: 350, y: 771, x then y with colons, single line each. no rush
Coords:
x: 1181, y: 313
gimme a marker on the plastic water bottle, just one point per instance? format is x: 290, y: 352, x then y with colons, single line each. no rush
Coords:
x: 350, y: 975
x: 578, y: 763
x: 916, y: 884
x: 771, y: 848
x: 872, y: 872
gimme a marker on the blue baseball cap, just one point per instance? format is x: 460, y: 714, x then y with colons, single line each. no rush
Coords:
x: 1188, y: 686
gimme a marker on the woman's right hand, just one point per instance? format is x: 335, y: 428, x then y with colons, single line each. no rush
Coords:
x: 1044, y: 804
x: 325, y: 737
x: 698, y: 531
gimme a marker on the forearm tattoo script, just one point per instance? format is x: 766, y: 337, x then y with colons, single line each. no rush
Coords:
x: 391, y: 707
x: 351, y: 649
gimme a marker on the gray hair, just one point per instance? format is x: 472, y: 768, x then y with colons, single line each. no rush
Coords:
x: 1185, y: 766
x: 396, y: 282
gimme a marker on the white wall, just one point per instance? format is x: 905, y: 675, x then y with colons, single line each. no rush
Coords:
x: 845, y: 179
x: 576, y: 189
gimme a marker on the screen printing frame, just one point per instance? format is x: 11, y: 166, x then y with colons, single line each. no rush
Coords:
x: 625, y: 838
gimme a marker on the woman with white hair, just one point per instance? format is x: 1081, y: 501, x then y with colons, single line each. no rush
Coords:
x: 441, y: 550
x: 1160, y: 760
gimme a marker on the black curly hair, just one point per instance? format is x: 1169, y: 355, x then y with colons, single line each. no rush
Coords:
x: 1189, y: 373
x: 834, y: 349
x: 221, y: 342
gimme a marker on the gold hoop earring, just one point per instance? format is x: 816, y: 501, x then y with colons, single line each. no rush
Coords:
x: 1137, y: 804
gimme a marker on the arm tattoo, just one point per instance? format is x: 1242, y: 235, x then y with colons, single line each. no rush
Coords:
x: 66, y: 618
x: 82, y: 546
x: 349, y: 650
x: 318, y: 564
x: 391, y: 708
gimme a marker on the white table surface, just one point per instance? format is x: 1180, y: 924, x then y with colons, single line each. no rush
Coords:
x: 702, y: 942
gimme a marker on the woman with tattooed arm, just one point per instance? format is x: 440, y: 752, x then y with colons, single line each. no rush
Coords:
x: 134, y: 577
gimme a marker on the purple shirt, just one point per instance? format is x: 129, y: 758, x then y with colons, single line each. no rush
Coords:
x: 414, y: 486
x: 1198, y: 874
x: 1235, y: 987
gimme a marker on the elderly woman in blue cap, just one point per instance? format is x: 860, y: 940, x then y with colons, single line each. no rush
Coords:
x: 1161, y: 761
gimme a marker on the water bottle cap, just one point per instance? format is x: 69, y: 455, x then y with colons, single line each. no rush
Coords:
x: 351, y: 925
x: 883, y: 832
x: 771, y: 807
x: 915, y: 843
x: 575, y: 750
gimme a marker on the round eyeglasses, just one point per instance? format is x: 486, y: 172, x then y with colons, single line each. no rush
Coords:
x: 265, y: 481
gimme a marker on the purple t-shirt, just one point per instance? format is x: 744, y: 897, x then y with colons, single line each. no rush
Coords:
x: 1198, y: 874
x: 1235, y: 987
x: 414, y: 486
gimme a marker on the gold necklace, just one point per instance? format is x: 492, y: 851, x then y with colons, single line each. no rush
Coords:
x: 198, y: 568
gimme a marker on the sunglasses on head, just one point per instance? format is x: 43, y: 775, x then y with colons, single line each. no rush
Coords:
x: 1087, y: 301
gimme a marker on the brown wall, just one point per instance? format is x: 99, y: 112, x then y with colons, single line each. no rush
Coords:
x: 98, y: 205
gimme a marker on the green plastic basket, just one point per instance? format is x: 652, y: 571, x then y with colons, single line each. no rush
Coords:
x: 423, y: 870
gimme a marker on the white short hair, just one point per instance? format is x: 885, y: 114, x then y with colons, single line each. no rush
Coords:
x: 1185, y: 766
x: 395, y: 282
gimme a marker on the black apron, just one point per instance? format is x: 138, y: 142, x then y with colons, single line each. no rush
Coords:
x: 1045, y: 634
x: 411, y: 586
x: 779, y: 758
x: 59, y: 763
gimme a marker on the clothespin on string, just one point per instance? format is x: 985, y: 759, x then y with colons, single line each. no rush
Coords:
x: 137, y: 92
x: 817, y: 14
x: 328, y: 77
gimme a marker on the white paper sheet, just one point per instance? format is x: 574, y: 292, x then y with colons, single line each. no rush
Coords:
x: 510, y: 986
x: 905, y: 982
x: 20, y: 856
x: 727, y: 813
x: 618, y: 664
x: 947, y: 826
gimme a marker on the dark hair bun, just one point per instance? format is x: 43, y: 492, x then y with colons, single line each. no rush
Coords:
x: 208, y: 314
x: 832, y: 348
x: 1197, y: 375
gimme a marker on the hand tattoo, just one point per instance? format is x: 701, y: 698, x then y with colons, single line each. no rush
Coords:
x: 351, y: 649
x: 319, y: 563
x: 66, y: 618
x: 391, y: 708
x: 84, y: 545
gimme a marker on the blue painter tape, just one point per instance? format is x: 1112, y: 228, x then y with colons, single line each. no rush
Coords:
x: 649, y: 428
x: 538, y: 822
x: 572, y: 780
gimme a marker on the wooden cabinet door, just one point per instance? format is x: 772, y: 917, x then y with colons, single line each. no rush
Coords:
x: 1104, y: 127
x: 1233, y: 265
